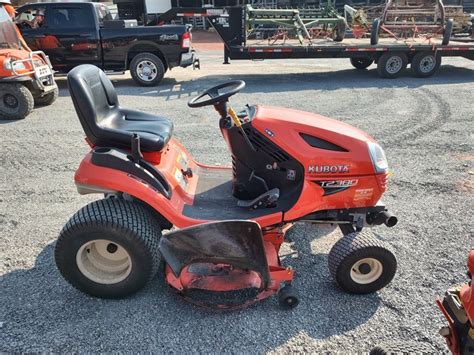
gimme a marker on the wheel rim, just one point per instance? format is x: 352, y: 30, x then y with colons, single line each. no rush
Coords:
x: 10, y: 101
x: 394, y: 65
x: 104, y: 262
x: 147, y: 70
x: 366, y: 271
x: 427, y: 64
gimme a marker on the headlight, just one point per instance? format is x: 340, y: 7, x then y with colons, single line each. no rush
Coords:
x: 378, y: 158
x: 16, y: 65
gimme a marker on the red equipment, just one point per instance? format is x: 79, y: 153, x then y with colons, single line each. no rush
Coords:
x: 287, y: 166
x: 458, y: 308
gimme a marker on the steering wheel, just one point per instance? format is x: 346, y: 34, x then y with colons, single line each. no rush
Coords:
x: 219, y: 93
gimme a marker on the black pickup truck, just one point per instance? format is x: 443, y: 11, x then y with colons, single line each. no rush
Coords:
x: 74, y: 33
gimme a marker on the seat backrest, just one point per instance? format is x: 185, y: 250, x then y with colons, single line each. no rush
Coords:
x: 94, y: 98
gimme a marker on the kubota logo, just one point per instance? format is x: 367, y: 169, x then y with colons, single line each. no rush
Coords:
x: 326, y: 169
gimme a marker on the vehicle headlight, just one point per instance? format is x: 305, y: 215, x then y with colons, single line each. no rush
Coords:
x: 10, y: 64
x: 378, y: 157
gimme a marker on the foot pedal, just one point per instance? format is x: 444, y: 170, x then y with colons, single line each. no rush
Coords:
x: 265, y: 200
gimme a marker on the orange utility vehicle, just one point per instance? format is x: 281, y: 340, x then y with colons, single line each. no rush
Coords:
x: 26, y: 77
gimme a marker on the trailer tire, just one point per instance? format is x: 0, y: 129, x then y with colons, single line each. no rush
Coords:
x: 390, y: 65
x: 361, y: 63
x: 425, y: 64
x: 340, y: 32
x: 448, y: 31
x: 361, y: 263
x: 47, y: 99
x: 375, y: 32
x: 147, y: 69
x: 109, y: 248
x: 16, y: 101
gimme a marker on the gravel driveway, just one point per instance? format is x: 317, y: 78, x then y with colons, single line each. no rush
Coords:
x: 426, y: 128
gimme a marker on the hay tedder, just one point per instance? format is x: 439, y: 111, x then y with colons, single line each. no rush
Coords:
x: 405, y: 19
x: 305, y: 24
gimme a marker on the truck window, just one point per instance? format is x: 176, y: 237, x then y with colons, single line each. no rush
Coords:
x: 32, y: 17
x: 70, y: 18
x: 103, y: 14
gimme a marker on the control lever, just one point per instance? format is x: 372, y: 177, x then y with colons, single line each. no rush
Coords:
x: 136, y: 151
x: 236, y: 121
x: 265, y: 200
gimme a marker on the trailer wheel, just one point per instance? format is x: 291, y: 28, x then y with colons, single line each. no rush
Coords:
x: 391, y: 65
x: 425, y: 64
x: 448, y: 31
x: 361, y: 63
x: 375, y: 32
x: 147, y: 69
x: 47, y: 99
x: 16, y: 101
x: 361, y: 263
x: 339, y: 32
x: 109, y: 248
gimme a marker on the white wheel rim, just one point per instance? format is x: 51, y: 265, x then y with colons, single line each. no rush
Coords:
x: 366, y: 271
x: 427, y: 64
x: 394, y: 65
x: 147, y: 70
x: 104, y: 262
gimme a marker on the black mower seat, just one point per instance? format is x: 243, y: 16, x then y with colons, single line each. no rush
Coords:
x: 107, y: 124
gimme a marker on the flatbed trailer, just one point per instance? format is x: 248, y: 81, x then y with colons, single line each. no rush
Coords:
x: 391, y: 56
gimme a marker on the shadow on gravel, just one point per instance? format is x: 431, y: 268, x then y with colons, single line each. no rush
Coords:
x: 284, y: 82
x: 40, y: 312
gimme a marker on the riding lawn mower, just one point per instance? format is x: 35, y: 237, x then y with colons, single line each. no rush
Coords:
x: 226, y: 225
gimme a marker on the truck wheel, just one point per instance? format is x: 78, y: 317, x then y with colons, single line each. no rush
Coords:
x: 448, y: 31
x: 109, y: 248
x: 375, y: 32
x: 47, y: 99
x: 425, y: 64
x: 361, y: 63
x: 361, y: 263
x: 16, y: 101
x: 339, y: 32
x: 391, y: 65
x: 147, y: 69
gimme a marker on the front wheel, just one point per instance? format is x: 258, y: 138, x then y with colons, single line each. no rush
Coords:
x: 361, y: 263
x: 147, y: 69
x: 47, y: 99
x: 109, y: 248
x: 16, y: 101
x: 391, y: 65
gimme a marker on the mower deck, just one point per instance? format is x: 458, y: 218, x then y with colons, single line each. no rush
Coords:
x: 214, y: 201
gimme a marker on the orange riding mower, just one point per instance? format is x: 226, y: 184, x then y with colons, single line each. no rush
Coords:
x: 26, y: 77
x: 226, y: 225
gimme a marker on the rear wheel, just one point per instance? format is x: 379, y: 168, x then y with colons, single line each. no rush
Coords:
x: 47, y: 99
x: 361, y: 263
x: 16, y: 101
x: 361, y: 63
x: 425, y: 64
x: 375, y: 32
x: 109, y: 248
x: 147, y: 69
x: 339, y: 32
x: 391, y: 65
x: 448, y: 31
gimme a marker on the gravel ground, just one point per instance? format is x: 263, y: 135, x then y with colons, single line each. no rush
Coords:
x: 426, y: 128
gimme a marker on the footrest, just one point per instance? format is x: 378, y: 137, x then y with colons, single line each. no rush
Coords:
x: 265, y: 200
